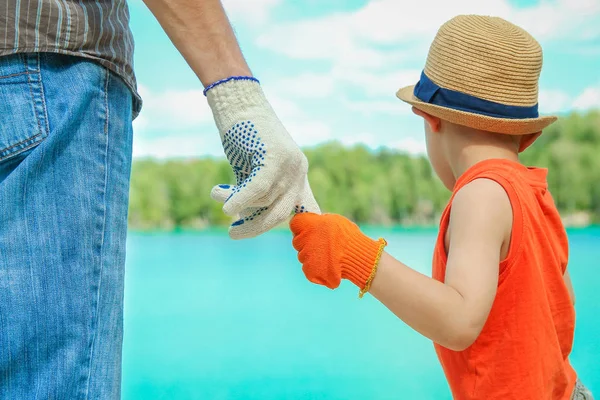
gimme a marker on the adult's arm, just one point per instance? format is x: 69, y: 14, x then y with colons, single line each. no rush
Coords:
x: 202, y: 33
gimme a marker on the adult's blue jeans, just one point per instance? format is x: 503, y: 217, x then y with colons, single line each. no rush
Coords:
x: 65, y: 161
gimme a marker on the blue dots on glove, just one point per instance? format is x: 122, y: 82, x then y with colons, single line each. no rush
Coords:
x: 299, y: 209
x: 245, y: 151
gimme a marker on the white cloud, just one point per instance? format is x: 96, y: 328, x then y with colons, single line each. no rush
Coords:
x: 369, y: 54
x: 186, y: 127
x: 350, y: 39
x: 590, y: 98
x: 173, y: 110
x: 369, y: 49
x: 251, y: 12
x: 377, y: 84
x: 379, y: 87
x: 558, y: 101
x: 590, y: 50
x: 391, y: 21
x: 283, y: 106
x: 373, y: 107
x: 324, y: 37
x: 304, y: 129
x: 194, y: 144
x: 140, y: 123
x: 186, y: 145
x: 561, y: 19
x: 308, y: 133
x: 410, y: 145
x: 305, y: 85
x: 551, y: 101
x: 183, y: 120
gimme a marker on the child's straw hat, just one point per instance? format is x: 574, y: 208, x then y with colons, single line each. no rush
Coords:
x: 482, y: 72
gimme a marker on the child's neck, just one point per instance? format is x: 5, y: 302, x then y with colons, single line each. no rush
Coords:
x: 471, y: 155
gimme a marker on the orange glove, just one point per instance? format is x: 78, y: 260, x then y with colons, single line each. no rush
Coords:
x: 331, y: 247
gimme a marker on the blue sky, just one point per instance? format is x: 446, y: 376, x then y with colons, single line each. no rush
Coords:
x: 331, y: 68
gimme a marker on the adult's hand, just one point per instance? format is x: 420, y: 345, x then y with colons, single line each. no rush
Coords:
x: 270, y: 169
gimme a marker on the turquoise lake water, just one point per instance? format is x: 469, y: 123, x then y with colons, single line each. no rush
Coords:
x: 211, y: 318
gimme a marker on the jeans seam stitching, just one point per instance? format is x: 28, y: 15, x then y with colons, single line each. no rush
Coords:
x: 32, y: 96
x: 35, y: 111
x: 18, y: 144
x: 96, y: 319
x: 43, y: 94
x: 15, y: 75
x: 22, y: 150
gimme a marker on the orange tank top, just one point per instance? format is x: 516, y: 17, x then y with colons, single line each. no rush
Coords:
x: 523, y: 350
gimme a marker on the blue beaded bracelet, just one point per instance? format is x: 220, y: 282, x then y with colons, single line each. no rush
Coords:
x: 231, y: 78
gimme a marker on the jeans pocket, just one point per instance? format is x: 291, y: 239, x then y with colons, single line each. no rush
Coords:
x: 23, y: 115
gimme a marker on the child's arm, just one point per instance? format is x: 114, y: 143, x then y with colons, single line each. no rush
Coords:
x: 569, y: 284
x: 451, y: 314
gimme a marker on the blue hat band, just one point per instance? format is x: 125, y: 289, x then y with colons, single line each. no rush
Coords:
x: 429, y: 92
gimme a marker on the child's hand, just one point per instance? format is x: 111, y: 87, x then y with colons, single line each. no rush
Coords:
x: 331, y: 247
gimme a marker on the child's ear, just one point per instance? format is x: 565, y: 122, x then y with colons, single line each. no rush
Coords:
x: 434, y: 122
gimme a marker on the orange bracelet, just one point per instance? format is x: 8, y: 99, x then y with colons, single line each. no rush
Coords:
x: 367, y: 287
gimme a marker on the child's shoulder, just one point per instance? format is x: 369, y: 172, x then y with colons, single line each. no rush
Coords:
x: 482, y: 198
x: 507, y: 174
x: 481, y: 206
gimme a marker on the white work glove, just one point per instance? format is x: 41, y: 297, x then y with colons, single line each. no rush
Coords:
x: 270, y: 169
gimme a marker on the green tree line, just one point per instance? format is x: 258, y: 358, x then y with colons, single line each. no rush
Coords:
x: 376, y: 187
